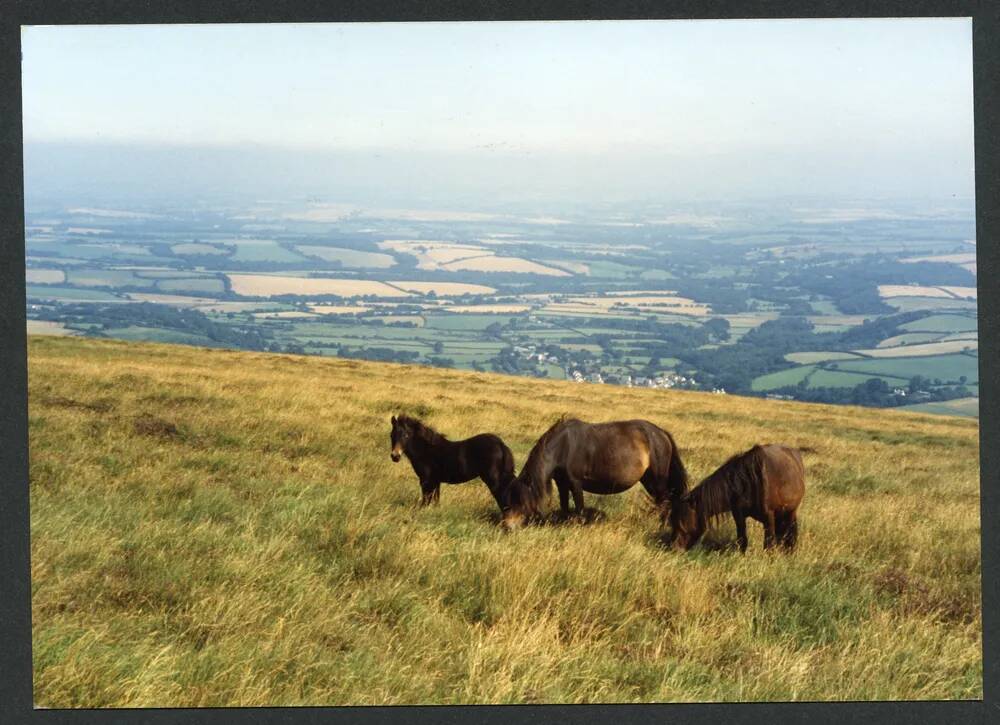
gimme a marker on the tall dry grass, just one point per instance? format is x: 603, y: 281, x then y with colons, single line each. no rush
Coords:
x: 217, y: 528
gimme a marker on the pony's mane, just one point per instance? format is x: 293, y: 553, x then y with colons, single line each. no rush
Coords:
x: 421, y: 430
x: 539, y: 448
x: 740, y: 474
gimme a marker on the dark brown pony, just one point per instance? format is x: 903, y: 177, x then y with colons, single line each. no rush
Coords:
x: 437, y: 460
x: 602, y: 458
x: 765, y: 483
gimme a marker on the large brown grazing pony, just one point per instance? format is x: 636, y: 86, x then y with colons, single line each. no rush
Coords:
x: 765, y: 483
x: 437, y: 460
x: 602, y: 458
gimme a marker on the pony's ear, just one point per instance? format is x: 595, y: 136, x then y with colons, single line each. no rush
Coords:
x: 394, y: 420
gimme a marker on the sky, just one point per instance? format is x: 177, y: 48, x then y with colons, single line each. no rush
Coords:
x: 589, y: 108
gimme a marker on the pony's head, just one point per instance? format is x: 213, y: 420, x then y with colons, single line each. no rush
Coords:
x: 403, y: 429
x: 687, y: 522
x: 520, y: 500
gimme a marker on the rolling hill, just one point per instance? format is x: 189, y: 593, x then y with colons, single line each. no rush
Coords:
x: 219, y: 528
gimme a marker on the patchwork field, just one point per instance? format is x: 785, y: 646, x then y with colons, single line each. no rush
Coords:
x: 188, y: 550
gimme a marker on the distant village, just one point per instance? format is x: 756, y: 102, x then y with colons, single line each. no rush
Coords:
x: 665, y: 381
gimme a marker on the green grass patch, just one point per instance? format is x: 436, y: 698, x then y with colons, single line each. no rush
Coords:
x: 945, y: 367
x: 942, y: 323
x: 791, y: 376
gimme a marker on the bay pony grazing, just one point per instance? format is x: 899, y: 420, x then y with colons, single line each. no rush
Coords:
x: 765, y: 483
x: 437, y: 460
x: 601, y: 458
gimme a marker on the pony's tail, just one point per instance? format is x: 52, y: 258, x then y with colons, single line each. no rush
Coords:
x: 677, y: 476
x: 507, y: 475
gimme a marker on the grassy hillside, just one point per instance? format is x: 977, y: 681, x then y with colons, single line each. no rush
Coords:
x: 225, y: 528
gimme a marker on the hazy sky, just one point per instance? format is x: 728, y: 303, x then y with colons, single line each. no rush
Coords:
x: 886, y: 98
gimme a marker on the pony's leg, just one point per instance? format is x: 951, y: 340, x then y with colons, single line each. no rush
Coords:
x: 431, y: 491
x: 741, y: 529
x: 577, y: 490
x: 791, y: 533
x: 656, y: 492
x: 563, y: 486
x: 769, y: 536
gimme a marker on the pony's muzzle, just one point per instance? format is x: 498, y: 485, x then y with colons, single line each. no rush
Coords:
x: 394, y: 456
x: 512, y: 520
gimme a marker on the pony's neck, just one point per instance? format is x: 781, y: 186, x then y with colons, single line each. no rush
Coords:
x: 423, y: 439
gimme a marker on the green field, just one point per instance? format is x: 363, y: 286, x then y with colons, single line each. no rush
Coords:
x: 791, y: 376
x: 841, y: 379
x: 154, y: 334
x: 68, y: 293
x: 910, y: 338
x: 612, y: 270
x: 199, y: 249
x: 263, y: 251
x: 201, y: 285
x: 348, y: 257
x: 946, y: 367
x: 105, y: 278
x: 814, y: 357
x: 942, y: 323
x: 463, y: 321
x: 909, y: 304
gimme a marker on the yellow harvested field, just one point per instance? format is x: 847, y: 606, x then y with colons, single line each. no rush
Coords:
x: 87, y: 230
x: 262, y: 285
x: 338, y: 309
x: 490, y: 309
x: 628, y: 302
x: 430, y: 254
x: 46, y: 327
x: 451, y: 257
x: 448, y: 289
x: 45, y: 276
x: 910, y: 290
x: 493, y: 263
x: 962, y: 291
x: 930, y: 348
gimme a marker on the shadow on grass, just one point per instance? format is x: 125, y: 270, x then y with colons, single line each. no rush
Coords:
x: 553, y: 518
x: 707, y: 543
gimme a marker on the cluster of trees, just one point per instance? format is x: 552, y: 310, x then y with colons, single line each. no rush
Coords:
x: 874, y: 392
x: 148, y: 314
x: 763, y: 349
